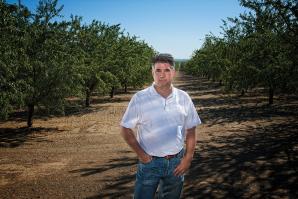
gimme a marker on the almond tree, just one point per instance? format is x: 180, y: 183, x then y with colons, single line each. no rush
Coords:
x: 96, y: 42
x: 13, y: 20
x: 258, y: 48
x: 40, y: 61
x: 132, y: 61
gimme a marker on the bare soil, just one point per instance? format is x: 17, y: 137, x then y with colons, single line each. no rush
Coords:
x: 245, y: 149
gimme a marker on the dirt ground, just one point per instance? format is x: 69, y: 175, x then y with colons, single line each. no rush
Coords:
x: 245, y: 149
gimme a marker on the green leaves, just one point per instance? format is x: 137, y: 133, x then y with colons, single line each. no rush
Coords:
x: 44, y: 61
x: 257, y: 49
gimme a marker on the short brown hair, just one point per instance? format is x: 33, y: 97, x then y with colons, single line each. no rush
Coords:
x: 163, y: 58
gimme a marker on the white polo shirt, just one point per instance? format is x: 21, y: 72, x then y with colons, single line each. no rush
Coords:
x: 160, y: 122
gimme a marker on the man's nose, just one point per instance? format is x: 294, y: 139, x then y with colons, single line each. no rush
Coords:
x: 162, y: 74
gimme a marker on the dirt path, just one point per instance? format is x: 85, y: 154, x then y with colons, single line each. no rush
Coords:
x: 245, y: 150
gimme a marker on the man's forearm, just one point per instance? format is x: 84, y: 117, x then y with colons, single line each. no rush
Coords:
x: 190, y: 149
x: 131, y: 140
x: 190, y: 142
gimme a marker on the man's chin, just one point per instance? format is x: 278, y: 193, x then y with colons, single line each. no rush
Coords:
x: 162, y: 85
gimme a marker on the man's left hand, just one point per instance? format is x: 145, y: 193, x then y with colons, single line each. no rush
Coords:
x: 183, y: 166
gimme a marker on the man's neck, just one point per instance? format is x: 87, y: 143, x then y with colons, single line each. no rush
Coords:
x: 164, y: 91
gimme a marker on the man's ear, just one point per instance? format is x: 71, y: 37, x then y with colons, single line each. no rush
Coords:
x: 174, y: 73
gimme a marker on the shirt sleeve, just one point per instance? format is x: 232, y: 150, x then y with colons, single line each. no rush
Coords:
x: 192, y: 118
x: 131, y: 115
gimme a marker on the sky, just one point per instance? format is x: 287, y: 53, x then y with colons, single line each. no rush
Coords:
x: 169, y: 26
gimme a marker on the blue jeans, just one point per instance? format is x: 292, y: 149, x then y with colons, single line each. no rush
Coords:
x: 159, y: 172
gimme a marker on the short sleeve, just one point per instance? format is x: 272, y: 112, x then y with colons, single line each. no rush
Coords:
x: 192, y: 118
x: 131, y: 115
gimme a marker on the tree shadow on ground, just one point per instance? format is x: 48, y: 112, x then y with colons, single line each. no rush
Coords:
x: 256, y: 162
x: 112, y: 164
x: 116, y: 99
x: 252, y: 162
x: 118, y: 187
x: 121, y: 187
x: 245, y: 112
x: 70, y: 109
x: 14, y: 137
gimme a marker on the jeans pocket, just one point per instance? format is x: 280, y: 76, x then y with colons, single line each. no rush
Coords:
x: 148, y: 173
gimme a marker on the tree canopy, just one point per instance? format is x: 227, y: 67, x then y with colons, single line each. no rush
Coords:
x: 258, y: 48
x: 45, y: 60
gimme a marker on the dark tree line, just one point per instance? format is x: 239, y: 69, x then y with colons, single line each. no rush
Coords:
x: 44, y: 60
x: 257, y: 49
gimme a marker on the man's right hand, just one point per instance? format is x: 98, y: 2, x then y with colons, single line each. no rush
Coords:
x: 145, y: 159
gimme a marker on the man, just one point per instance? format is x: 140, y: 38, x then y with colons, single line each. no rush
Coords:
x: 164, y: 118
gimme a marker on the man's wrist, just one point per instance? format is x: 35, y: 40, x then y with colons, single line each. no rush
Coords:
x: 143, y: 155
x: 188, y: 156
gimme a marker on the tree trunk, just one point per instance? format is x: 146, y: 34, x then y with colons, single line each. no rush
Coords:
x: 125, y: 88
x: 112, y: 92
x: 271, y: 93
x: 87, y: 101
x: 30, y: 114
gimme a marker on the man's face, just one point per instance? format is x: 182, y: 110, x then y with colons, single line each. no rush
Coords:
x: 163, y: 74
